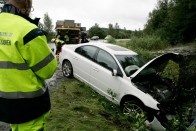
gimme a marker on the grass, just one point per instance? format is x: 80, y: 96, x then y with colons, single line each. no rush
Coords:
x: 75, y: 106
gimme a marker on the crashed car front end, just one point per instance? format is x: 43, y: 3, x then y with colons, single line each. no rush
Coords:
x: 162, y: 89
x: 160, y: 79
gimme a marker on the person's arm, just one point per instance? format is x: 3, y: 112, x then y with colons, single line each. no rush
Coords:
x: 38, y: 55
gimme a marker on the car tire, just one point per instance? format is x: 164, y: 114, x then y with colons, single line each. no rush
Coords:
x: 132, y: 106
x: 136, y: 107
x: 67, y: 69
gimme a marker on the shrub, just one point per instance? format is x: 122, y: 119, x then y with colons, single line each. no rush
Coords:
x: 147, y: 43
x: 111, y: 40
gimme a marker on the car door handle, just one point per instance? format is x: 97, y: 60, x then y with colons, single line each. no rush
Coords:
x: 95, y: 69
x: 75, y: 58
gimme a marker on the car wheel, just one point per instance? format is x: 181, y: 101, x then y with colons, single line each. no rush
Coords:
x: 132, y: 107
x: 67, y: 69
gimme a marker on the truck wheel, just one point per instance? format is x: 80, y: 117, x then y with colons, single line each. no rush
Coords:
x: 67, y: 69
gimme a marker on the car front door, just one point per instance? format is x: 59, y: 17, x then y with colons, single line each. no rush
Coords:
x: 101, y: 75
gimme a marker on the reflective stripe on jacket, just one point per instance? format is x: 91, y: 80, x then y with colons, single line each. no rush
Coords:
x: 25, y: 62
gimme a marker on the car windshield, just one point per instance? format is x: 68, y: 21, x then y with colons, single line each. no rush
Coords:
x: 130, y: 63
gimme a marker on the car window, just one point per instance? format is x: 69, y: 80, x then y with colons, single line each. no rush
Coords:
x: 106, y: 60
x: 130, y: 63
x: 127, y: 60
x: 87, y: 51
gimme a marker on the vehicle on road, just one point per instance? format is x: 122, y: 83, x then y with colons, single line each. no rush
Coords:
x: 125, y: 78
x: 95, y: 38
x: 73, y: 30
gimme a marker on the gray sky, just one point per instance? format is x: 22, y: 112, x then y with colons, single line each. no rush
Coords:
x: 131, y: 14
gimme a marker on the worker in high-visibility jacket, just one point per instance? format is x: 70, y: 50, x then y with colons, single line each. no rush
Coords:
x: 25, y: 62
x: 58, y: 43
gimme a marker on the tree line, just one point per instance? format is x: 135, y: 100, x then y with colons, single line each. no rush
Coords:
x: 172, y: 20
x: 112, y: 30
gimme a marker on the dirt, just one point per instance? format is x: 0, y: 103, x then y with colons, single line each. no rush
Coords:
x: 184, y: 50
x: 4, y: 127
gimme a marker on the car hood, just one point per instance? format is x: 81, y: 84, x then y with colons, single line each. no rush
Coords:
x: 158, y: 63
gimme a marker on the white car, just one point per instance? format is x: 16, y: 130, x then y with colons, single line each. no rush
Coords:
x: 123, y: 77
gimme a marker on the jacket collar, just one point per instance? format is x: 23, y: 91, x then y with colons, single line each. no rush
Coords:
x: 8, y: 8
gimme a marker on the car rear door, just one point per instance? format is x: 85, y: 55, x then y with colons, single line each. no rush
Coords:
x: 83, y: 60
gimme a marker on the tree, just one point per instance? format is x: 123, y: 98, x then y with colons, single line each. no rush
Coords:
x: 117, y: 30
x: 110, y: 30
x: 96, y: 31
x: 157, y: 19
x: 173, y: 20
x: 47, y: 27
x: 114, y: 31
x: 185, y: 16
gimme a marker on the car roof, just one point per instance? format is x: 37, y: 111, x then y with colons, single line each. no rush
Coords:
x: 111, y: 48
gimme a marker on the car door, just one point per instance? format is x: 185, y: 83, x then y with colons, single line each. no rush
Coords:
x: 101, y: 75
x: 83, y: 60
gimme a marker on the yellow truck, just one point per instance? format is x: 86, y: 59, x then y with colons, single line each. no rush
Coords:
x: 71, y: 29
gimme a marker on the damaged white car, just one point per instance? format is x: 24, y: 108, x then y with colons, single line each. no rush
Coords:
x: 135, y: 83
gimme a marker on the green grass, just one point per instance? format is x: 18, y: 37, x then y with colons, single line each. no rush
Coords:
x: 75, y: 106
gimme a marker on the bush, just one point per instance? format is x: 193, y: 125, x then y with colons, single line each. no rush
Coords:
x: 147, y: 43
x: 111, y: 39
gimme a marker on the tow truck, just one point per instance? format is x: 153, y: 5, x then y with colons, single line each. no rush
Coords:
x: 72, y: 29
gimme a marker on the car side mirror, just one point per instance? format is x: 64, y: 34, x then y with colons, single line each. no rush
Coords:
x: 129, y: 70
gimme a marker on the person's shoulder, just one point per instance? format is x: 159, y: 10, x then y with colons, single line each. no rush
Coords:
x: 17, y: 23
x: 19, y: 20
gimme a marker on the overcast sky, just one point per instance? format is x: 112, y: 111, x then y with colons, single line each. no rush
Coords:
x: 131, y: 14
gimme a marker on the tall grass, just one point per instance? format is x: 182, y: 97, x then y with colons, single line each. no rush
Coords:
x: 147, y: 43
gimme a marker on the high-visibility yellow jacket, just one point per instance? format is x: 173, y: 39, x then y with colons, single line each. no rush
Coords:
x: 25, y: 62
x: 58, y: 41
